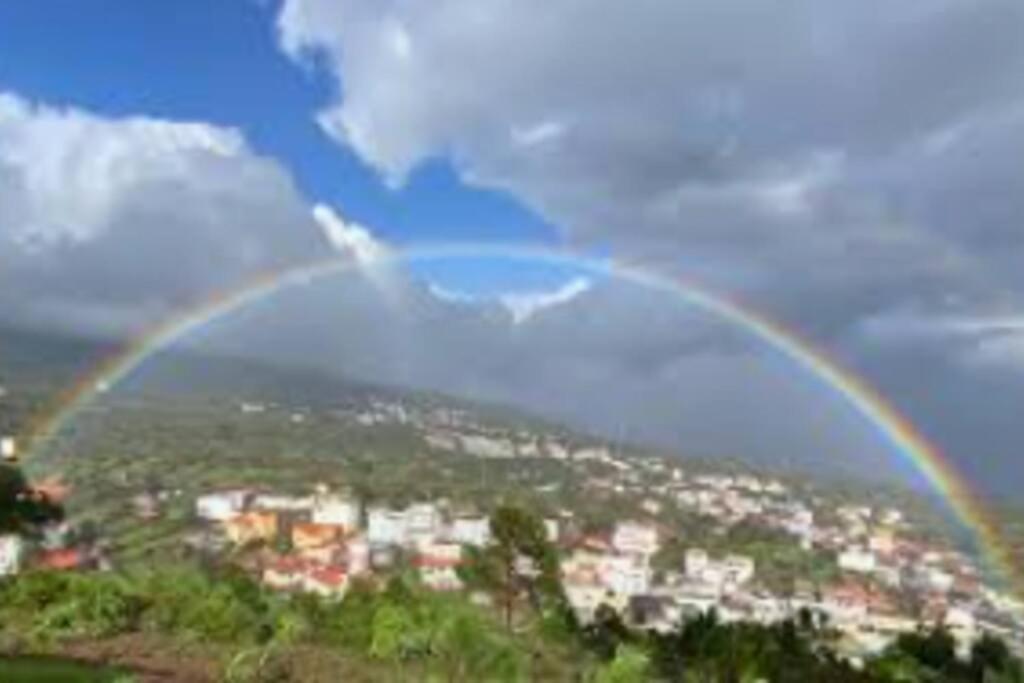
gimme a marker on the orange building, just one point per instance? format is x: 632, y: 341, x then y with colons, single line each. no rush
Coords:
x: 250, y: 527
x: 310, y: 535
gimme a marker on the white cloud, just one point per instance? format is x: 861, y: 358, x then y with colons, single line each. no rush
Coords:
x: 349, y: 238
x: 539, y: 133
x: 521, y: 305
x: 108, y: 223
x: 524, y: 305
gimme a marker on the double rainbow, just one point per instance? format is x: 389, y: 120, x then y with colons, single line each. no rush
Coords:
x: 896, y: 430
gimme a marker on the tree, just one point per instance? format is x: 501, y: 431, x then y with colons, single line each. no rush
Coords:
x: 520, y: 563
x: 630, y: 665
x: 23, y: 510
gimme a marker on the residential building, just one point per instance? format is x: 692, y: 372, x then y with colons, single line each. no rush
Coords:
x: 696, y: 562
x: 328, y: 582
x: 221, y: 506
x: 855, y: 559
x: 12, y: 551
x: 8, y: 448
x: 625, y: 575
x: 422, y: 523
x: 307, y: 536
x: 632, y: 537
x: 251, y: 527
x: 337, y: 510
x: 282, y: 503
x: 357, y: 555
x: 385, y: 526
x: 437, y: 564
x: 475, y: 531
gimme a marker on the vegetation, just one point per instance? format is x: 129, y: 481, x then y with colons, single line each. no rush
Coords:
x: 22, y: 511
x: 49, y: 670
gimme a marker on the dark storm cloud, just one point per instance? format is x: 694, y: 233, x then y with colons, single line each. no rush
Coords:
x: 850, y: 168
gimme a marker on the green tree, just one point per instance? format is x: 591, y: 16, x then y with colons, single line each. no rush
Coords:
x: 519, y: 564
x: 23, y: 511
x: 630, y: 665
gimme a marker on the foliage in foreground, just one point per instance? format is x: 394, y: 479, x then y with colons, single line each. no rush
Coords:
x: 405, y: 633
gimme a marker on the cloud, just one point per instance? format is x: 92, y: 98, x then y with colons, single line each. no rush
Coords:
x: 840, y: 144
x: 349, y: 238
x: 108, y: 224
x: 521, y: 305
x: 524, y: 305
x: 850, y: 169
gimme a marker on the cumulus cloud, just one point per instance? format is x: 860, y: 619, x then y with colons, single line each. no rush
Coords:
x: 106, y: 224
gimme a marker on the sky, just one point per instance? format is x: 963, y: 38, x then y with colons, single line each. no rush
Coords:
x: 851, y: 169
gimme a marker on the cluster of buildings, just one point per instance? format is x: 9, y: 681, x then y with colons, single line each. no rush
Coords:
x: 320, y: 542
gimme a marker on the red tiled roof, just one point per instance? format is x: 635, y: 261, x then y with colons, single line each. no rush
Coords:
x: 328, y: 576
x: 65, y: 558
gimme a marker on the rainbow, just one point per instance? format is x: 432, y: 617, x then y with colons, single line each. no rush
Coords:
x: 923, y: 456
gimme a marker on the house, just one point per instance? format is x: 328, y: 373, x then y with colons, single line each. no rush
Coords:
x: 625, y: 575
x: 635, y: 538
x: 337, y: 510
x: 284, y: 573
x: 12, y: 551
x: 328, y: 582
x: 310, y: 536
x: 855, y: 559
x: 385, y: 526
x: 221, y: 506
x: 437, y: 564
x: 696, y: 561
x: 61, y: 559
x: 8, y: 448
x: 357, y: 555
x: 282, y: 503
x: 146, y: 506
x: 551, y: 529
x: 250, y: 527
x: 585, y: 596
x: 475, y: 531
x: 422, y: 523
x: 738, y: 569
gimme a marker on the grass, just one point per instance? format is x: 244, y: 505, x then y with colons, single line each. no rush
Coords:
x: 55, y: 670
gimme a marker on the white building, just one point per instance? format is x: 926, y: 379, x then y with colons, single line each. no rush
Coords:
x: 422, y: 523
x: 8, y: 448
x: 438, y: 563
x: 625, y: 576
x: 738, y: 569
x: 474, y: 531
x: 221, y: 506
x: 696, y: 562
x: 12, y: 549
x: 639, y: 539
x: 358, y: 555
x: 551, y: 529
x: 282, y: 503
x: 336, y: 510
x: 385, y: 526
x: 857, y: 560
x: 938, y: 580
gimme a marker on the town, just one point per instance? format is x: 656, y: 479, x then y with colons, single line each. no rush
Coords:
x: 883, y: 577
